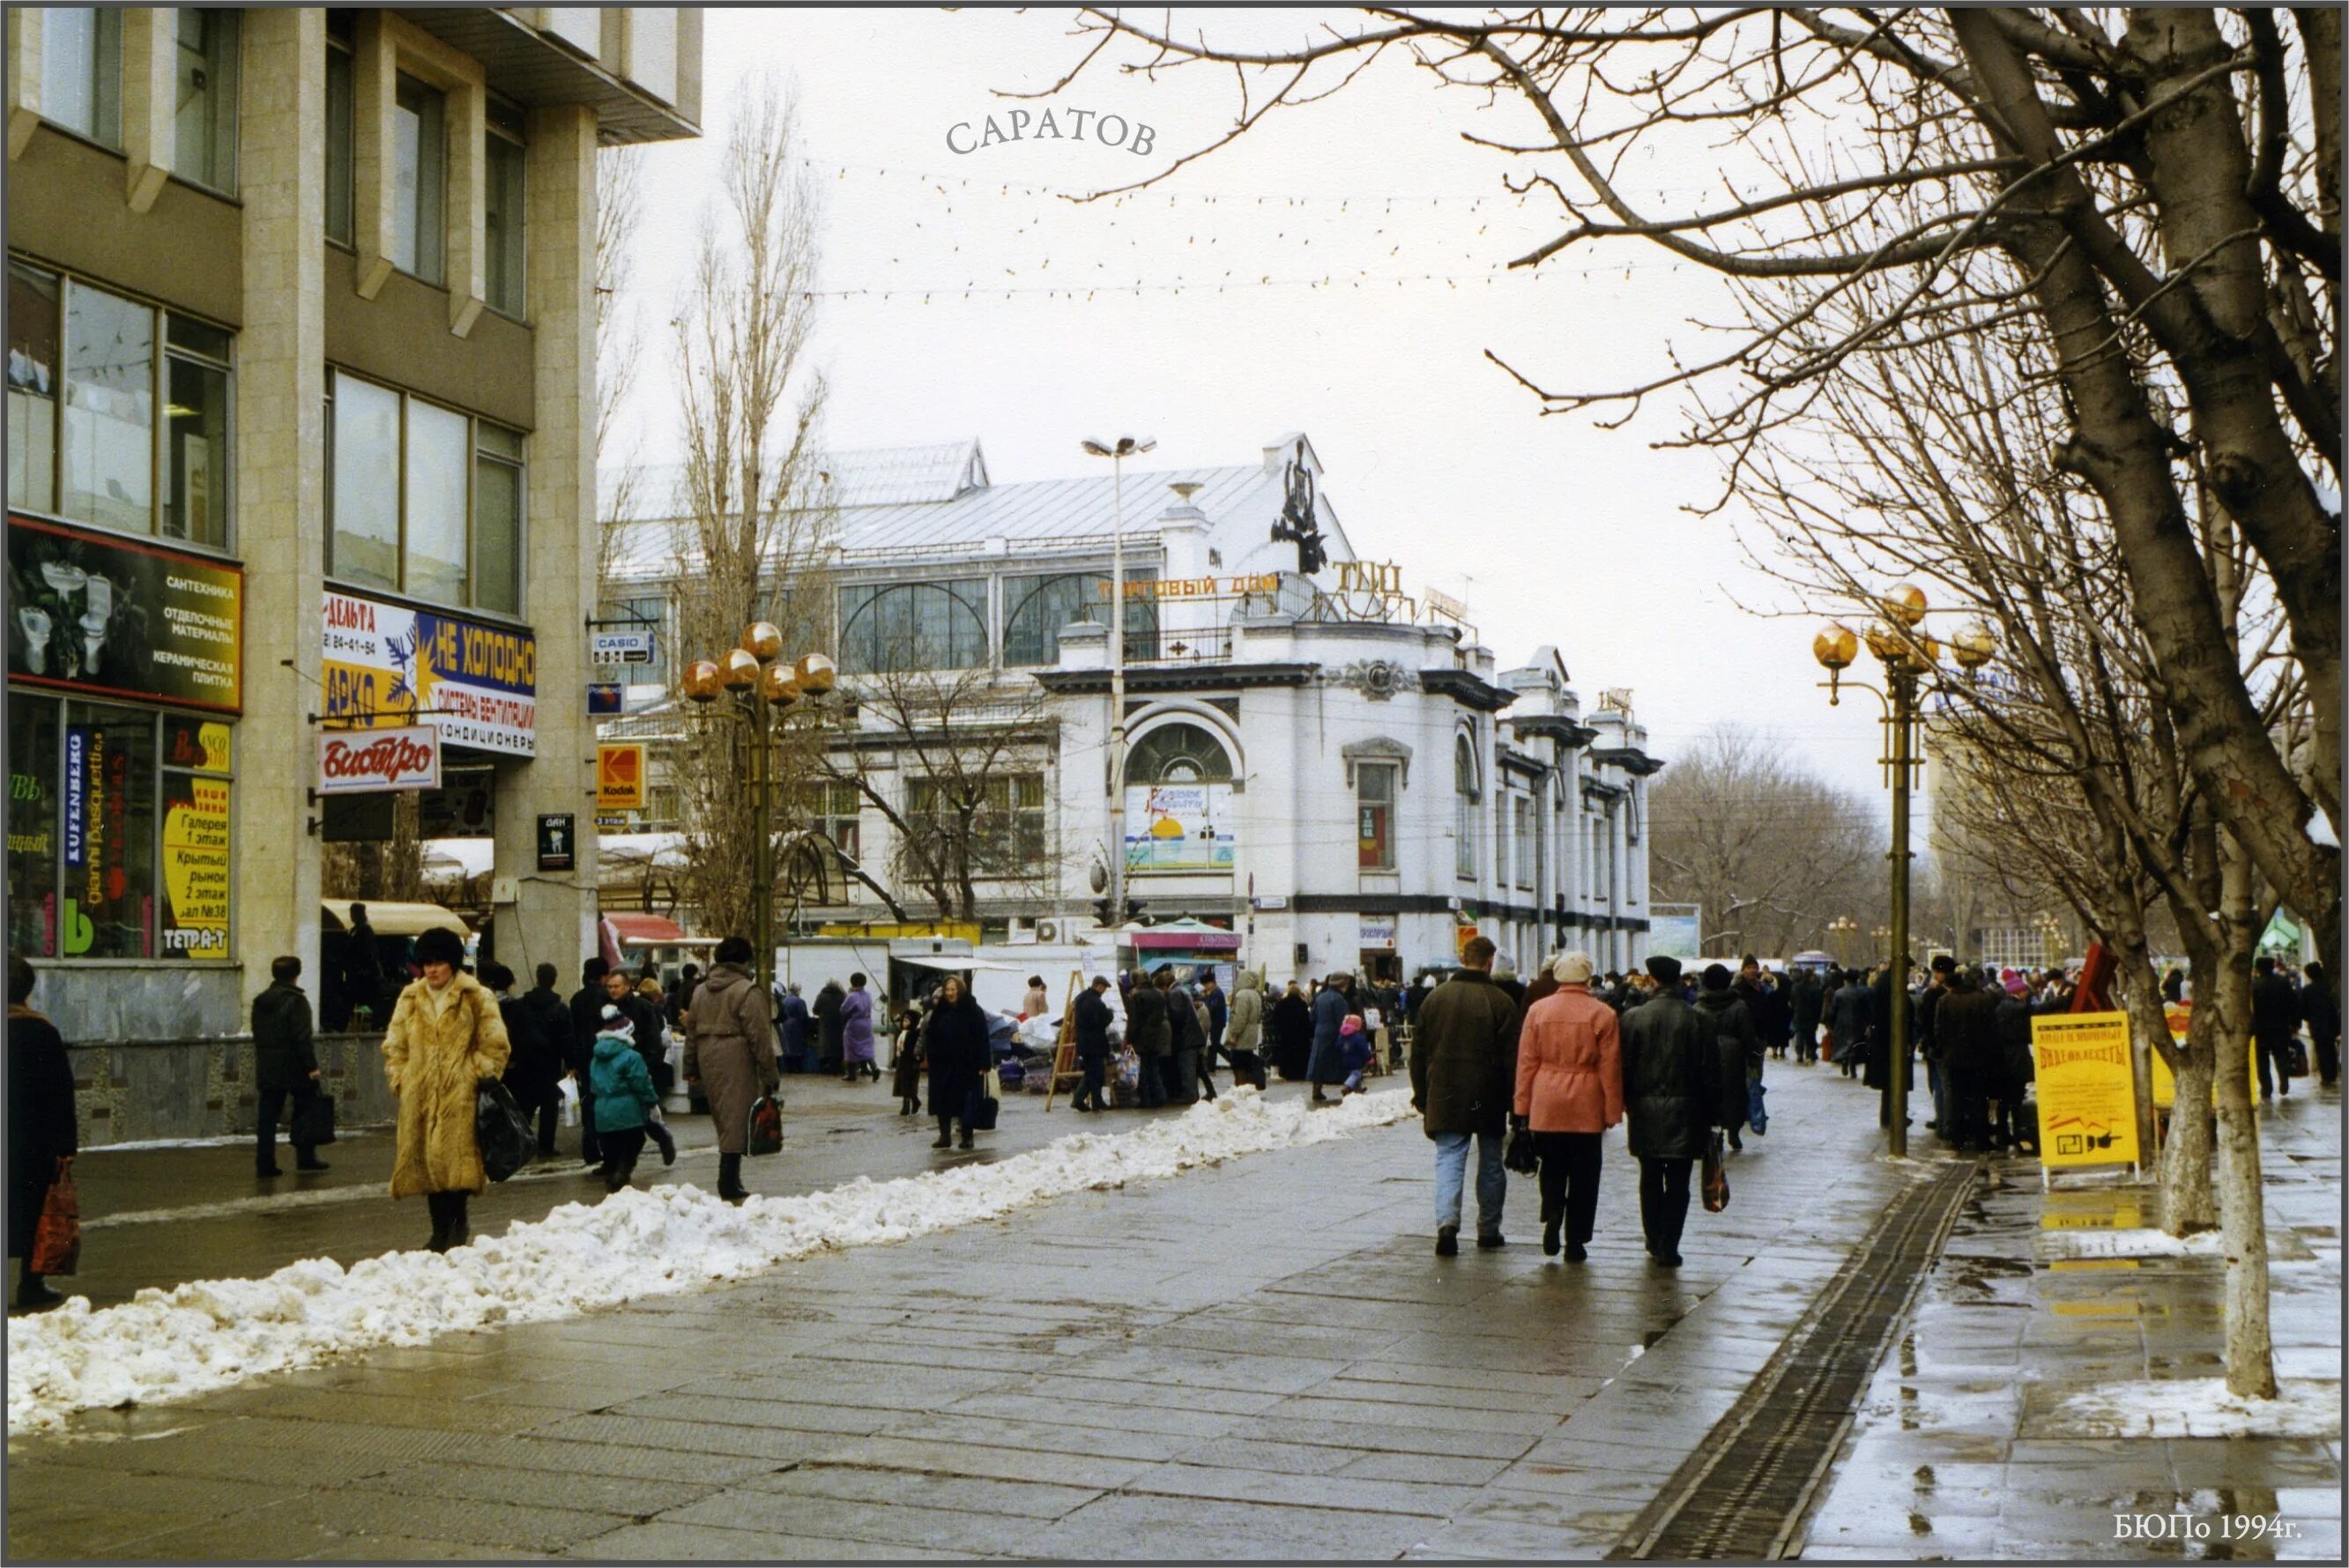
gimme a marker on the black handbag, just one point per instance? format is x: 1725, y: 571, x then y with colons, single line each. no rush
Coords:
x: 314, y: 1120
x: 1520, y: 1155
x: 500, y: 1129
x: 978, y: 1109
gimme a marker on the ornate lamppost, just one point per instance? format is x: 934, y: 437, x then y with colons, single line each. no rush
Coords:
x: 1910, y: 655
x: 763, y: 686
x: 1839, y: 932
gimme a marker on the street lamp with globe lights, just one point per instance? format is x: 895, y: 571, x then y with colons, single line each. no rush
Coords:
x: 764, y: 687
x: 1117, y: 451
x: 1910, y: 655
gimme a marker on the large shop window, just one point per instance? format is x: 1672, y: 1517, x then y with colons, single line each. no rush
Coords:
x: 1463, y: 819
x: 205, y: 107
x: 1036, y: 608
x: 418, y: 178
x: 417, y: 492
x: 87, y: 444
x: 1178, y: 753
x: 81, y: 71
x: 501, y: 208
x: 1007, y: 829
x: 118, y: 831
x: 913, y: 625
x: 1374, y: 801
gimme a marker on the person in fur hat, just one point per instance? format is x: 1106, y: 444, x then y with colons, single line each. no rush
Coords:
x: 445, y: 1036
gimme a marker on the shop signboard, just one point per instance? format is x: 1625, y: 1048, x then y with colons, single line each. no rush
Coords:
x: 620, y: 648
x: 2087, y: 1090
x: 391, y: 666
x: 1378, y: 933
x: 557, y: 842
x: 116, y: 617
x: 1180, y: 828
x: 367, y: 762
x: 605, y: 699
x: 195, y: 867
x: 1679, y: 934
x: 620, y: 776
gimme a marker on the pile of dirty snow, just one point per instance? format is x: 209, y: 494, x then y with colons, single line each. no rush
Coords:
x: 2196, y: 1407
x: 167, y: 1344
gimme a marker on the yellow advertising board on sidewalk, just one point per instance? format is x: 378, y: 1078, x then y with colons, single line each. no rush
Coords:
x: 2087, y: 1090
x: 2165, y: 1084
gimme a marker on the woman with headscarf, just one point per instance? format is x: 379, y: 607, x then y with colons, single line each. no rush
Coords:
x: 953, y: 1044
x: 445, y: 1037
x: 729, y: 1050
x: 857, y: 1032
x: 1330, y: 1010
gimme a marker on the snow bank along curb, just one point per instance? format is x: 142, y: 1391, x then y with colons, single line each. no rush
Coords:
x: 2196, y: 1407
x: 206, y: 1334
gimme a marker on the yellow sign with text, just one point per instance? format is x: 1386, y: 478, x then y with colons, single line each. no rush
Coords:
x: 620, y: 776
x: 2087, y: 1090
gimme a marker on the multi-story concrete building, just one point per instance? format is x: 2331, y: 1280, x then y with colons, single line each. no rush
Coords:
x: 1320, y: 763
x: 300, y: 420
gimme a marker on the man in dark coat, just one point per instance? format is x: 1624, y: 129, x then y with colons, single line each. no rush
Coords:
x: 42, y: 1126
x: 586, y: 1017
x: 549, y: 1015
x: 1739, y: 1045
x: 1187, y: 1043
x: 1148, y: 1031
x: 831, y: 1038
x: 1291, y: 1029
x: 1672, y: 1095
x: 791, y: 1022
x: 954, y: 1043
x: 285, y: 1064
x: 2016, y: 1068
x: 1851, y: 1019
x: 2321, y: 1011
x: 1092, y: 1018
x: 1928, y: 1007
x: 535, y: 1060
x: 1966, y: 1035
x: 2276, y: 1019
x: 1805, y: 1004
x: 362, y: 967
x: 1463, y: 1079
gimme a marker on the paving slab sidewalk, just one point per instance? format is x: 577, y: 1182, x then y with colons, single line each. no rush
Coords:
x: 1958, y: 1452
x: 1259, y: 1359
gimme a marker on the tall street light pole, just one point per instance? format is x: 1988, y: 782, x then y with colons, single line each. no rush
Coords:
x: 1899, y: 642
x: 1117, y: 451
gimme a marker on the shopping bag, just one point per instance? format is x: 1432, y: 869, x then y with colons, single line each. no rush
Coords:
x: 1756, y: 1117
x: 57, y: 1237
x: 1716, y: 1175
x: 766, y: 1135
x: 1520, y: 1155
x: 570, y: 1088
x: 314, y: 1120
x: 2299, y: 1058
x: 500, y: 1129
x: 1826, y: 1045
x: 979, y: 1109
x: 1129, y: 1069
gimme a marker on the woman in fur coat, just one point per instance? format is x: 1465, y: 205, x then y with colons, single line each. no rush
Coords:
x: 445, y: 1037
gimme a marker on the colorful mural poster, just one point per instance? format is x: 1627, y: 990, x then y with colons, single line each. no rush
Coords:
x: 1180, y: 828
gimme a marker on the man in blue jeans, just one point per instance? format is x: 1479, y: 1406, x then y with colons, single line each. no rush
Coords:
x: 1463, y: 1077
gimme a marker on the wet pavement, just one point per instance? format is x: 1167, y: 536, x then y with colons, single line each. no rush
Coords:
x: 1257, y: 1360
x: 1961, y: 1453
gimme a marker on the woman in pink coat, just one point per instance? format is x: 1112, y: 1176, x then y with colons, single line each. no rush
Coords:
x: 1569, y: 1091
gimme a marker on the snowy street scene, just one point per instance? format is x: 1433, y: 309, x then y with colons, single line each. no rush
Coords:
x: 819, y: 783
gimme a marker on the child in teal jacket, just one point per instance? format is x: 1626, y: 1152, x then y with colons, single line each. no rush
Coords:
x: 624, y: 1096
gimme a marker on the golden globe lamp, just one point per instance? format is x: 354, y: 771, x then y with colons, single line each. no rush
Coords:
x: 817, y: 673
x: 778, y: 686
x: 762, y: 639
x: 739, y: 670
x: 1974, y: 646
x: 1905, y: 603
x: 1835, y: 647
x: 701, y: 681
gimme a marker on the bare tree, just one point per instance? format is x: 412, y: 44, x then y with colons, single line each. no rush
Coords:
x: 751, y: 523
x: 2157, y: 188
x: 1767, y: 852
x: 619, y: 345
x: 954, y: 762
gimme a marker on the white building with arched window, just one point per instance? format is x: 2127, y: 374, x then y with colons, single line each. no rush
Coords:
x: 1329, y: 765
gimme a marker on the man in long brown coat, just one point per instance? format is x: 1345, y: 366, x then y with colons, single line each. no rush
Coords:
x: 1463, y: 1078
x: 730, y: 1049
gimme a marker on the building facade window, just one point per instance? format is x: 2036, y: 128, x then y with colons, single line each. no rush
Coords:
x: 503, y: 209
x: 1522, y: 811
x: 81, y: 71
x: 1374, y: 802
x: 422, y: 500
x: 913, y: 625
x: 1036, y: 607
x: 118, y: 831
x: 419, y: 166
x: 85, y: 444
x: 1007, y: 831
x: 1178, y: 754
x: 204, y: 146
x: 341, y: 39
x: 1464, y: 815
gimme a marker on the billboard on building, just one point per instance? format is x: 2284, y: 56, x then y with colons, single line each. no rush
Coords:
x: 116, y: 617
x: 388, y: 666
x: 1180, y: 828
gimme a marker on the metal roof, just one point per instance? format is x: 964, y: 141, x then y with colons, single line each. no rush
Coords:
x: 913, y: 502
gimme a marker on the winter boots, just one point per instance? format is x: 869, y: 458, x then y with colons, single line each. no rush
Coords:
x: 945, y: 1139
x: 1447, y: 1241
x: 730, y: 1179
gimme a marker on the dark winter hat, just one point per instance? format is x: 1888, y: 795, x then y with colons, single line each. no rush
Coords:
x: 1666, y: 970
x: 440, y: 946
x: 1715, y: 977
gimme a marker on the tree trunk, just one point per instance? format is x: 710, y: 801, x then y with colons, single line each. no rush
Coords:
x: 2250, y: 1356
x: 2188, y: 1201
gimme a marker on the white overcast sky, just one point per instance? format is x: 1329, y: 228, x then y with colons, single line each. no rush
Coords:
x: 1554, y: 530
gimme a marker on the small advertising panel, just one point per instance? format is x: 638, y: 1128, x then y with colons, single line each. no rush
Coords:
x: 389, y: 666
x: 362, y: 761
x: 1180, y: 828
x: 2087, y: 1090
x: 120, y: 618
x: 620, y: 776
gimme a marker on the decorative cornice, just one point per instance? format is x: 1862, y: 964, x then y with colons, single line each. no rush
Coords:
x: 1554, y: 727
x: 1630, y: 759
x: 1467, y: 689
x: 1172, y: 678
